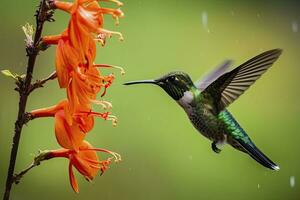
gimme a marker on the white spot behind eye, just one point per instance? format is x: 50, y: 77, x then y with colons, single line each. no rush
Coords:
x: 176, y: 79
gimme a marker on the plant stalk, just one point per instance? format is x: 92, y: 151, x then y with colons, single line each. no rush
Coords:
x: 24, y: 91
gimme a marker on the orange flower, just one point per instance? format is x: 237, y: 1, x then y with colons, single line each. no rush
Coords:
x: 70, y: 136
x: 85, y: 160
x: 77, y: 72
x: 76, y: 45
x: 76, y: 53
x: 84, y: 86
x: 87, y: 18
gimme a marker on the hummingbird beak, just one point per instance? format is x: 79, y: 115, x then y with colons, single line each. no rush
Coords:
x: 141, y: 82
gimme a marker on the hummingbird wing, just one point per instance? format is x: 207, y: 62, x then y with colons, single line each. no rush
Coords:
x: 213, y: 75
x: 231, y: 85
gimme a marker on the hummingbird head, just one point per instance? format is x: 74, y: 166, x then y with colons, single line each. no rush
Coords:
x: 174, y: 83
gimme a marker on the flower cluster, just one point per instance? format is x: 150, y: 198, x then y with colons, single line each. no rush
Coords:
x: 79, y: 76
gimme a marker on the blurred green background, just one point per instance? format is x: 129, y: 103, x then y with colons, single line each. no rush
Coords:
x: 164, y: 156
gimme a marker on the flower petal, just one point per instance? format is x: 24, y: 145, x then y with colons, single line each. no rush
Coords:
x: 72, y: 178
x: 82, y: 160
x: 68, y: 136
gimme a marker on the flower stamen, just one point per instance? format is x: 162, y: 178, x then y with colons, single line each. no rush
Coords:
x: 111, y: 66
x: 115, y: 155
x: 114, y: 1
x: 116, y: 13
x: 110, y: 33
x: 105, y: 104
x: 113, y: 119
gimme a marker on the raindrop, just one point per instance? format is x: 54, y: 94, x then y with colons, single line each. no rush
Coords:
x: 204, y: 18
x: 295, y: 26
x: 190, y: 157
x: 292, y: 181
x: 258, y: 186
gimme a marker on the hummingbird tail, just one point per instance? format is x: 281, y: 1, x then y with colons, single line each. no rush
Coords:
x: 257, y: 155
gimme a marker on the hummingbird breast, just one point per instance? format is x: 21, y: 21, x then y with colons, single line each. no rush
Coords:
x: 208, y: 126
x: 202, y: 118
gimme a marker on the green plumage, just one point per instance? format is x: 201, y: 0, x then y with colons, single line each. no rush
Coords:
x: 232, y: 127
x: 220, y: 127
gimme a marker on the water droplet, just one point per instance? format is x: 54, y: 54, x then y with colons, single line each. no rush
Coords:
x: 295, y: 26
x: 258, y: 186
x: 190, y: 157
x: 292, y: 181
x: 204, y: 18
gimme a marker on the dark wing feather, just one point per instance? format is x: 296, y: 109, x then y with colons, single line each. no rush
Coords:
x: 231, y: 85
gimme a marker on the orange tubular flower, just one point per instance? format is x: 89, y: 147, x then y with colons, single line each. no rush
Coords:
x: 84, y: 86
x: 79, y: 75
x: 85, y: 160
x: 76, y: 52
x: 70, y: 136
x: 86, y: 26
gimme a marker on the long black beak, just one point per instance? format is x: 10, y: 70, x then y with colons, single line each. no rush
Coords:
x: 141, y: 82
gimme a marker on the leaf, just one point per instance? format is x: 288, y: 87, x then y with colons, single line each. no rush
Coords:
x: 6, y: 72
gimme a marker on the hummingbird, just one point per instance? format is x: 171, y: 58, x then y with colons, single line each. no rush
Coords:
x: 205, y: 102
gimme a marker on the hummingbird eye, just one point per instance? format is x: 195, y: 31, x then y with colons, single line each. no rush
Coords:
x: 172, y: 78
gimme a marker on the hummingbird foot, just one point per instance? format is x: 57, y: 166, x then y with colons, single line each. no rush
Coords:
x: 215, y: 148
